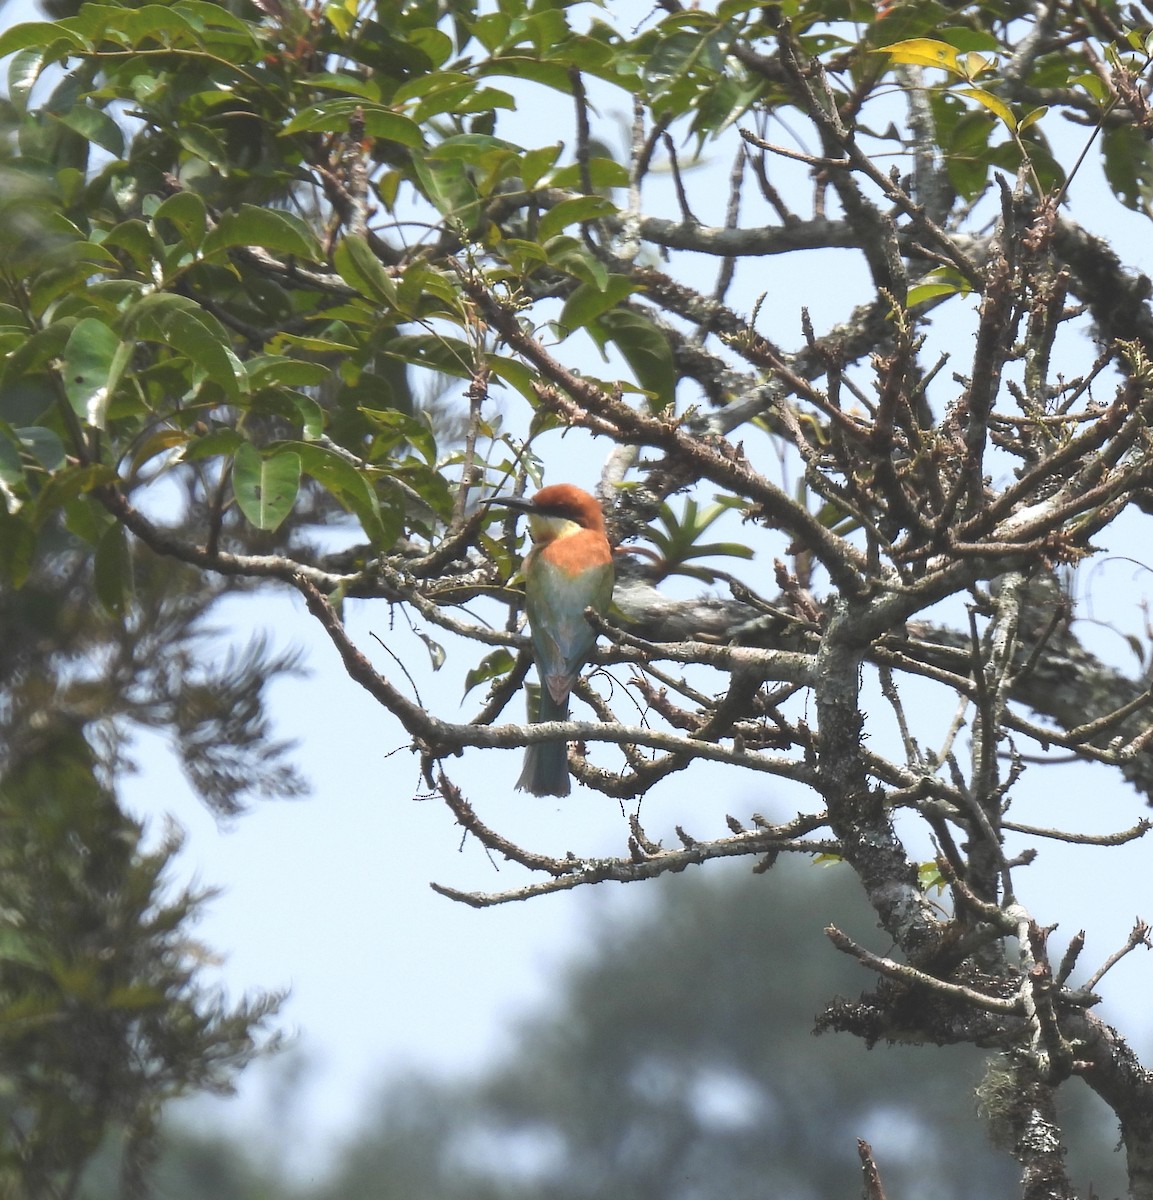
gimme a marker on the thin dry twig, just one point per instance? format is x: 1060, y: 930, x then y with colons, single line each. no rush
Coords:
x: 1138, y: 936
x: 1009, y: 1005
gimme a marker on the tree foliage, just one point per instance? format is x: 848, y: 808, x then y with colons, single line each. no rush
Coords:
x: 231, y: 237
x: 103, y: 1013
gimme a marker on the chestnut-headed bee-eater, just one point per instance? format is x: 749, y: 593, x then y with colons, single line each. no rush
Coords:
x: 569, y: 569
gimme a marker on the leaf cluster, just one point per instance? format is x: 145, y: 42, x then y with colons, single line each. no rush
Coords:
x: 103, y: 1014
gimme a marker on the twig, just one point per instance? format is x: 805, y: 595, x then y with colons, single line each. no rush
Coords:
x: 1138, y: 936
x: 812, y: 160
x: 1069, y: 958
x: 907, y: 974
x: 732, y: 217
x: 682, y: 197
x: 571, y: 872
x: 1083, y: 839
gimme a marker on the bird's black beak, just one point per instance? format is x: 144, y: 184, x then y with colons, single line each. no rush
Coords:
x: 516, y: 503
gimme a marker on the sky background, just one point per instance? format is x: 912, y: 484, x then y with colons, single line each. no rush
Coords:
x: 329, y: 896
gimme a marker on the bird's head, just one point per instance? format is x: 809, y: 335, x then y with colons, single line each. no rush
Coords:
x: 556, y: 511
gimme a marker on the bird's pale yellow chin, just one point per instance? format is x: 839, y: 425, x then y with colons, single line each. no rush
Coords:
x: 544, y: 529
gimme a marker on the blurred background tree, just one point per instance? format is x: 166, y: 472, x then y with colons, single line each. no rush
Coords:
x: 103, y: 1014
x: 676, y: 1059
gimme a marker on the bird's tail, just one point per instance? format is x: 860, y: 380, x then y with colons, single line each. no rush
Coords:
x: 545, y: 771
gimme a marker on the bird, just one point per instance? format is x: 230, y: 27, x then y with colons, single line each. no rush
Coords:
x: 569, y: 569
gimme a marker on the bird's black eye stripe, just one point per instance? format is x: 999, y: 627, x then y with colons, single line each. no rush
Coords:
x: 562, y: 512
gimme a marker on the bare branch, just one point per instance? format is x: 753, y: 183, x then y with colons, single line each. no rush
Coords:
x: 1138, y: 936
x: 1007, y: 1005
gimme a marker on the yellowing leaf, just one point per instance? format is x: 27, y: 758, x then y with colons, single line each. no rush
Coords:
x: 974, y: 63
x: 944, y: 281
x: 342, y: 17
x: 928, y: 291
x: 924, y: 52
x: 995, y: 106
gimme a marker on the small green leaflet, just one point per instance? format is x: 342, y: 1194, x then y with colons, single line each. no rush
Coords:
x: 265, y: 488
x: 94, y: 359
x: 493, y: 666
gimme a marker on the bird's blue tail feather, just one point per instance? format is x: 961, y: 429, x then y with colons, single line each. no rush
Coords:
x: 545, y: 771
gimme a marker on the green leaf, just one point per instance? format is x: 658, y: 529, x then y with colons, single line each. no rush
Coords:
x: 68, y: 483
x: 17, y: 548
x: 335, y: 116
x: 968, y: 153
x: 207, y: 15
x: 396, y: 427
x: 433, y: 42
x: 278, y: 370
x: 587, y: 302
x: 567, y: 212
x: 942, y: 281
x: 531, y: 70
x: 341, y: 16
x: 1011, y: 154
x: 451, y: 356
x: 201, y: 142
x: 94, y: 359
x: 11, y: 471
x: 159, y: 442
x: 361, y: 269
x: 929, y: 291
x: 96, y: 126
x: 603, y: 173
x: 23, y: 72
x: 644, y: 348
x: 137, y: 241
x: 188, y: 216
x: 1128, y: 162
x: 449, y: 186
x: 929, y: 876
x: 181, y: 323
x: 437, y: 656
x: 45, y: 447
x: 346, y: 84
x: 270, y: 228
x: 514, y: 373
x: 67, y: 270
x: 572, y: 255
x: 112, y: 569
x: 308, y: 413
x: 520, y: 254
x: 343, y: 345
x: 42, y: 34
x: 214, y: 444
x: 265, y: 488
x: 450, y: 91
x: 535, y: 163
x: 348, y: 485
x: 1093, y: 84
x: 493, y: 666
